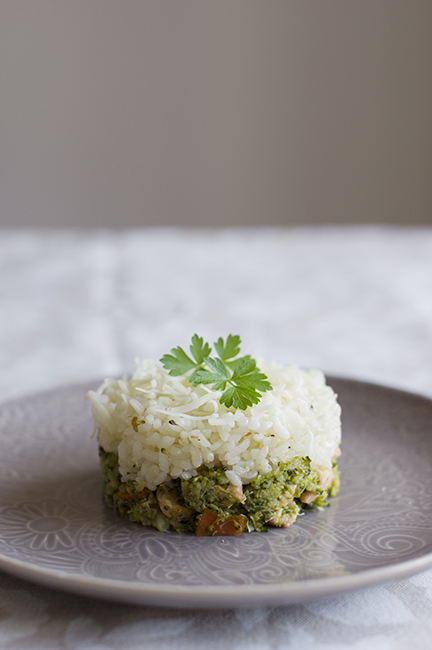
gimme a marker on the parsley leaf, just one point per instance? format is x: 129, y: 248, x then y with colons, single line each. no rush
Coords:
x: 232, y: 364
x: 246, y: 374
x: 240, y: 397
x: 229, y: 349
x: 178, y: 363
x: 246, y: 381
x: 199, y: 349
x: 218, y: 375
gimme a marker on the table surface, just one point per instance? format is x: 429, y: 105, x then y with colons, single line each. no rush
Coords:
x: 78, y: 305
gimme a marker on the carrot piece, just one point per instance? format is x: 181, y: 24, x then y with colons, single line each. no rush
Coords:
x: 132, y: 497
x: 125, y: 495
x: 232, y: 526
x: 208, y: 524
x: 205, y: 522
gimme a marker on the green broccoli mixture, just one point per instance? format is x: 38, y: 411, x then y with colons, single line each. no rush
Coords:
x: 208, y: 504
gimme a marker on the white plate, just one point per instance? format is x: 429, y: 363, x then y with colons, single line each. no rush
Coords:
x: 55, y: 530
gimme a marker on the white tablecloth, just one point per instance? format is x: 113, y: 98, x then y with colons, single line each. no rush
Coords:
x: 78, y: 305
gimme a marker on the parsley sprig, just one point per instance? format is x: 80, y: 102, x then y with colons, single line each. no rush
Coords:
x: 244, y: 380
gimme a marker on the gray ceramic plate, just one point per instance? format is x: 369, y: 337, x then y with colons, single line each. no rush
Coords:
x: 55, y: 530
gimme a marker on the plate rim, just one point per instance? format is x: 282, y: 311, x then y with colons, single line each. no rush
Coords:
x: 217, y: 596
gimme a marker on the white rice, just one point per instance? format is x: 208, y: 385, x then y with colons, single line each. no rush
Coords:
x: 180, y: 428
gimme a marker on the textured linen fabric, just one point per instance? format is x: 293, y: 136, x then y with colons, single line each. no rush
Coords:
x: 78, y: 305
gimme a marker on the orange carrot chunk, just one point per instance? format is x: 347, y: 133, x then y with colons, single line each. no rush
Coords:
x: 209, y: 524
x: 125, y: 495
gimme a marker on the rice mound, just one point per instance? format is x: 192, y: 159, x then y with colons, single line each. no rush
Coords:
x: 164, y: 428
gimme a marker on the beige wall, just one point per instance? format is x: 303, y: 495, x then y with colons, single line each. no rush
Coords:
x: 198, y: 112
